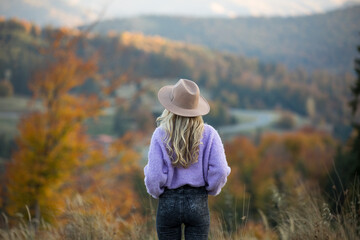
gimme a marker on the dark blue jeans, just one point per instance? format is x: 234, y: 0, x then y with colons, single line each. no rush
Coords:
x: 185, y: 205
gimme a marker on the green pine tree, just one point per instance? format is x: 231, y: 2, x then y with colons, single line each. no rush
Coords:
x: 355, y: 108
x: 347, y: 160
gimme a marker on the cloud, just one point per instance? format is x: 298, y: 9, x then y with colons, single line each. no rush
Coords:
x: 68, y: 13
x: 217, y: 8
x: 67, y: 19
x: 221, y: 10
x: 73, y: 2
x: 75, y: 12
x: 288, y: 7
x: 262, y: 7
x: 339, y: 2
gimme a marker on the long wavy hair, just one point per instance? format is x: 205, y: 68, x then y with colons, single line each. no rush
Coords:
x: 183, y: 137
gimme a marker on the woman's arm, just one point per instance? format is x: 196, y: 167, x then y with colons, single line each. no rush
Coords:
x: 218, y: 169
x: 156, y: 170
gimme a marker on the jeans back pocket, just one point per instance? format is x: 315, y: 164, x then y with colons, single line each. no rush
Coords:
x: 198, y: 204
x: 167, y: 206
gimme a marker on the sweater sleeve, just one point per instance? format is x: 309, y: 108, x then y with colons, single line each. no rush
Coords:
x: 218, y: 169
x: 156, y: 170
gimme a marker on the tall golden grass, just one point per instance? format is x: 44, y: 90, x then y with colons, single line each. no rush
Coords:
x: 304, y: 216
x: 309, y: 216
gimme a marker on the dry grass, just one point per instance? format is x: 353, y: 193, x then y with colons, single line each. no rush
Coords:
x: 305, y: 216
x: 80, y: 221
x: 27, y: 229
x: 308, y: 216
x: 252, y: 231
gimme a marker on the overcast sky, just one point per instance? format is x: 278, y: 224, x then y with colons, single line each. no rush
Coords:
x: 77, y: 12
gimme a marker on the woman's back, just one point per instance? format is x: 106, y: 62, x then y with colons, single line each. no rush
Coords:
x: 186, y: 162
x: 210, y: 170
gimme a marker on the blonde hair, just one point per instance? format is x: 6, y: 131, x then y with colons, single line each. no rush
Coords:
x: 183, y: 137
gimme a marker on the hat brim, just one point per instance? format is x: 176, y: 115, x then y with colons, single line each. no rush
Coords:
x: 164, y: 96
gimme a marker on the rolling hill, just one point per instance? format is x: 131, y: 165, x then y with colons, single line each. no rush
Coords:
x: 321, y: 41
x: 232, y: 80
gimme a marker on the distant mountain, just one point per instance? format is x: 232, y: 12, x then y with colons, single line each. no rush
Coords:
x: 322, y: 41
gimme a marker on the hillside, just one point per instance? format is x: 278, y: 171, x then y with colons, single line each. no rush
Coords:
x: 231, y: 80
x: 321, y: 41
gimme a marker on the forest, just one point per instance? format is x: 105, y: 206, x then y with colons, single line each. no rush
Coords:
x: 325, y: 41
x: 237, y: 81
x: 59, y: 180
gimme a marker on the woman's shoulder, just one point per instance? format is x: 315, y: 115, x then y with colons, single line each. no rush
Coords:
x: 159, y: 132
x: 209, y: 131
x: 209, y: 127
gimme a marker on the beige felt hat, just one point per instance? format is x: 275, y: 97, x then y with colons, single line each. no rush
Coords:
x: 184, y: 99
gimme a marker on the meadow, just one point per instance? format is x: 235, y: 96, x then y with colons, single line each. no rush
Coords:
x: 304, y: 217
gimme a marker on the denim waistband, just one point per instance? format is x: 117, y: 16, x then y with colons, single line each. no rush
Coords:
x: 185, y: 190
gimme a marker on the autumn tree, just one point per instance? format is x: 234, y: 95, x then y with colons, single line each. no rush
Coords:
x: 111, y: 183
x: 279, y: 162
x: 52, y: 141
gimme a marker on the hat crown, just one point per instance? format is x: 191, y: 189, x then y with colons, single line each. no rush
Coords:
x: 183, y: 99
x: 185, y: 94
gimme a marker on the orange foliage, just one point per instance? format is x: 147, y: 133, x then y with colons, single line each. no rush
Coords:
x: 52, y: 140
x: 110, y: 182
x: 23, y: 23
x: 244, y: 153
x: 279, y: 161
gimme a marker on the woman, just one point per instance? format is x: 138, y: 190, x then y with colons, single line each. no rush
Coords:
x: 186, y: 162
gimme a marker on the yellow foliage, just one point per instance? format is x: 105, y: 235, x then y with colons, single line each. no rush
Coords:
x: 52, y: 141
x: 280, y: 161
x: 110, y: 183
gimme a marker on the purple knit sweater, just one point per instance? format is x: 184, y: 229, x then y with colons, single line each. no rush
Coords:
x: 211, y: 169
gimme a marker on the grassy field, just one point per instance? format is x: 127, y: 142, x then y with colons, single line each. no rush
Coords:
x: 17, y: 104
x: 101, y: 125
x: 12, y: 105
x: 306, y: 216
x: 20, y: 104
x: 8, y: 127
